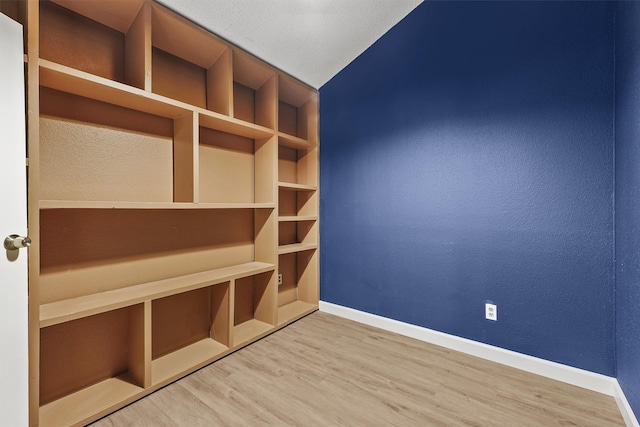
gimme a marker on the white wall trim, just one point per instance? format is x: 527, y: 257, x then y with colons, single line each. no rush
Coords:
x: 625, y: 409
x: 568, y: 374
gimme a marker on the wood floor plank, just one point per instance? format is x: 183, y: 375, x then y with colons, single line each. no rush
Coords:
x: 327, y: 371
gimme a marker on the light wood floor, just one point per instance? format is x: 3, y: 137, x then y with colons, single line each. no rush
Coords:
x: 327, y: 371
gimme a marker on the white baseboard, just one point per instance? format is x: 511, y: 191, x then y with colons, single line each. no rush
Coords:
x: 625, y: 409
x: 568, y: 374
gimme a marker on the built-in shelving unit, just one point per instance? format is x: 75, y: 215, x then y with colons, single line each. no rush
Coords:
x: 173, y: 178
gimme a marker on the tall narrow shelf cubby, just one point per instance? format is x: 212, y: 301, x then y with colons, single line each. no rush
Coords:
x: 171, y: 177
x: 297, y: 200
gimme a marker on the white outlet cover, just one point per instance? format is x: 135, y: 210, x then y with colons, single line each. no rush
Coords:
x: 491, y: 311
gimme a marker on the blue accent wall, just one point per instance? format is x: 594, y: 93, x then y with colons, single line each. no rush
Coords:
x: 628, y: 200
x: 467, y: 156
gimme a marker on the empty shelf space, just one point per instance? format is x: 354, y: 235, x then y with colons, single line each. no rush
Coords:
x: 69, y: 204
x: 249, y: 330
x: 69, y: 80
x: 292, y: 311
x: 296, y: 187
x: 290, y: 218
x: 294, y: 141
x: 75, y: 308
x: 189, y: 358
x: 296, y: 247
x: 92, y: 402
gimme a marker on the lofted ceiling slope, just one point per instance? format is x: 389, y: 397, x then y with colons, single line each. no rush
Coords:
x: 310, y: 39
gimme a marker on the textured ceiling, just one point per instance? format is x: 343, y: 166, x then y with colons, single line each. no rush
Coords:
x: 310, y: 39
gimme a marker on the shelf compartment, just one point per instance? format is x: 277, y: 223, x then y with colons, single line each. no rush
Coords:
x: 292, y: 202
x: 189, y: 64
x: 178, y: 79
x: 297, y: 109
x: 254, y: 91
x: 92, y: 251
x: 78, y: 42
x: 89, y: 403
x: 297, y: 233
x: 254, y: 307
x: 83, y: 359
x: 194, y: 356
x: 226, y: 167
x: 293, y: 311
x: 188, y: 330
x: 250, y: 330
x: 69, y: 80
x: 297, y: 209
x: 297, y: 166
x: 91, y: 150
x: 294, y: 142
x: 76, y: 308
x: 298, y: 291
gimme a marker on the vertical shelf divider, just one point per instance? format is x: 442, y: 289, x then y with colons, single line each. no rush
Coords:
x: 220, y: 85
x: 137, y: 50
x: 231, y: 313
x: 140, y: 344
x: 220, y: 308
x: 267, y: 103
x: 185, y: 158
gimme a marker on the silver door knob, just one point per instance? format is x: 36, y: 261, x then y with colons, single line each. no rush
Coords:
x: 14, y: 242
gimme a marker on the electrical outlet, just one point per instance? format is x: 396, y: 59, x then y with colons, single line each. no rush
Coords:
x: 491, y: 311
x: 280, y: 279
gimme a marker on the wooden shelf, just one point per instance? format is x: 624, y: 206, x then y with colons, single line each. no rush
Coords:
x: 292, y: 141
x: 94, y: 401
x: 190, y: 358
x: 72, y: 204
x: 296, y: 187
x: 75, y: 308
x: 249, y: 331
x: 296, y: 247
x: 292, y: 311
x: 69, y: 80
x: 150, y: 128
x: 291, y: 218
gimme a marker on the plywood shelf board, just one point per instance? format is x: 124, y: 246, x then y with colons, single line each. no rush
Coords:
x: 216, y: 121
x: 96, y: 399
x: 73, y: 204
x: 290, y: 218
x: 296, y: 187
x: 296, y: 247
x: 69, y: 80
x: 292, y: 311
x: 75, y: 308
x: 249, y: 331
x: 187, y: 359
x: 296, y: 142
